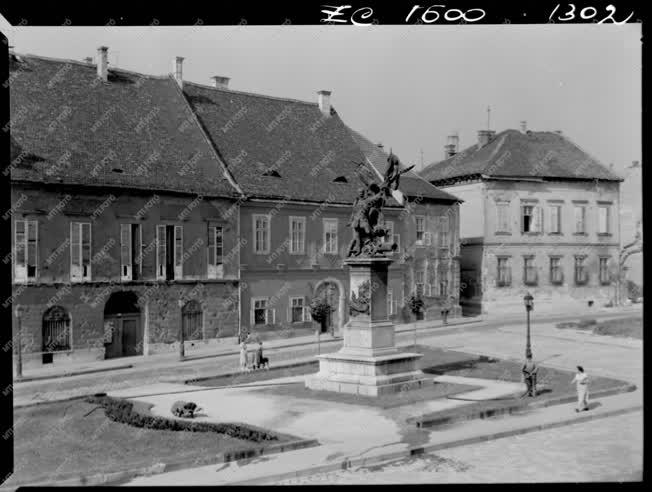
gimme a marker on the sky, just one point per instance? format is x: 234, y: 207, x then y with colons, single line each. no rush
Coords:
x: 405, y: 86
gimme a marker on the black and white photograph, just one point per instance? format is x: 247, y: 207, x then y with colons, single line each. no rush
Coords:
x: 353, y: 250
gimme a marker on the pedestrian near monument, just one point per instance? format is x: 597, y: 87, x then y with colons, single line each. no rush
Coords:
x: 243, y: 356
x: 262, y: 361
x: 445, y: 309
x: 529, y: 371
x: 582, y: 382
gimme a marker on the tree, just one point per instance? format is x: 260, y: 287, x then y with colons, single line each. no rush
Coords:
x: 415, y: 304
x: 632, y: 248
x: 320, y: 310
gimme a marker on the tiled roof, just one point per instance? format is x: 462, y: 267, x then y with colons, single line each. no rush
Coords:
x: 70, y: 127
x: 512, y: 153
x: 411, y: 184
x: 280, y: 148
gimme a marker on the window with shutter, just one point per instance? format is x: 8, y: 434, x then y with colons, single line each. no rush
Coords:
x: 420, y: 225
x: 261, y: 234
x: 80, y: 251
x: 556, y: 274
x: 178, y: 251
x: 161, y: 253
x: 580, y: 215
x: 259, y: 311
x: 330, y: 236
x: 296, y: 309
x: 504, y: 272
x: 502, y: 211
x: 603, y: 220
x: 215, y: 252
x: 125, y: 251
x: 605, y: 277
x: 443, y: 231
x: 25, y: 250
x: 297, y: 235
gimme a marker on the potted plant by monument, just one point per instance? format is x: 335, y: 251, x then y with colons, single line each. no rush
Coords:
x: 415, y: 304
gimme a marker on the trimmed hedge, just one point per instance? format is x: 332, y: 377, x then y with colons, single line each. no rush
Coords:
x: 123, y: 411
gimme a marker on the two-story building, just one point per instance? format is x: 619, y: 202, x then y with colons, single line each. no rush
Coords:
x: 143, y: 204
x: 118, y: 215
x: 297, y: 164
x: 539, y: 214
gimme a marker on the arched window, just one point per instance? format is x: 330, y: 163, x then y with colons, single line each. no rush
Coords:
x: 56, y: 332
x: 191, y: 316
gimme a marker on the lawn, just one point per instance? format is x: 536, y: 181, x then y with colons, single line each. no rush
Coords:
x: 70, y: 437
x: 622, y: 327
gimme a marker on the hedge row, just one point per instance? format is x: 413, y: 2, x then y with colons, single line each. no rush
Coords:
x: 123, y: 411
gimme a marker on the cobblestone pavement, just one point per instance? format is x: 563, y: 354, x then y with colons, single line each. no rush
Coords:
x: 609, y: 449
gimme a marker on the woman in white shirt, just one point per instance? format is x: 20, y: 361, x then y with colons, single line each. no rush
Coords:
x: 582, y: 382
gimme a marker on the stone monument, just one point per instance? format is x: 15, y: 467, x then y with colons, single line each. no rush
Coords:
x: 369, y: 362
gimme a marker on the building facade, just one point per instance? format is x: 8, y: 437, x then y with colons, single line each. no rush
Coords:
x: 145, y: 205
x: 539, y: 215
x: 120, y: 230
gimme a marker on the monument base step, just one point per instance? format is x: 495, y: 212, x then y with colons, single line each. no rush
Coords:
x: 338, y: 384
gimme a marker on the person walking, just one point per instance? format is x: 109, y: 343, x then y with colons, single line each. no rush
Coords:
x: 262, y: 361
x: 529, y: 371
x: 243, y: 356
x: 582, y: 382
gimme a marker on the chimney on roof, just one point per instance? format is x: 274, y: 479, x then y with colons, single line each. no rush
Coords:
x: 178, y: 70
x: 103, y: 63
x: 450, y: 149
x: 523, y: 126
x: 88, y: 59
x: 220, y: 82
x: 485, y: 136
x: 324, y: 101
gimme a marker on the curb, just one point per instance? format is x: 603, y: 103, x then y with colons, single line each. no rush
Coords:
x: 511, y: 409
x: 239, y: 373
x: 179, y: 381
x: 119, y: 477
x: 27, y: 379
x: 190, y: 358
x: 358, y: 462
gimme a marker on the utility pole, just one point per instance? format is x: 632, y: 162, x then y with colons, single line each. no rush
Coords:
x: 421, y: 168
x: 488, y: 117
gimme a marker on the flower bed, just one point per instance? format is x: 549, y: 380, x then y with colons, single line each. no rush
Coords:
x: 123, y: 411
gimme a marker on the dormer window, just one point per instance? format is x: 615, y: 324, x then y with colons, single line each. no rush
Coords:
x: 272, y: 173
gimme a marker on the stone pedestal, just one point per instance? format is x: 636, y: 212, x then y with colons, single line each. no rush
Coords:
x: 369, y: 362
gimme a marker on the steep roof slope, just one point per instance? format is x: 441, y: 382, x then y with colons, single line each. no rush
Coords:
x: 411, y: 184
x: 512, y: 153
x: 131, y: 131
x: 280, y: 148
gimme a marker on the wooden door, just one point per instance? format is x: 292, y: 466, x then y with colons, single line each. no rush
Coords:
x: 131, y: 336
x: 113, y: 335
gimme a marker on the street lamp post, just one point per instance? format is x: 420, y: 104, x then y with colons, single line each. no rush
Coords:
x: 529, y: 305
x: 181, y: 339
x: 19, y: 342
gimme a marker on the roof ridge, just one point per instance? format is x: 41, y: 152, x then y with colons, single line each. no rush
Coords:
x: 88, y: 65
x: 252, y: 94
